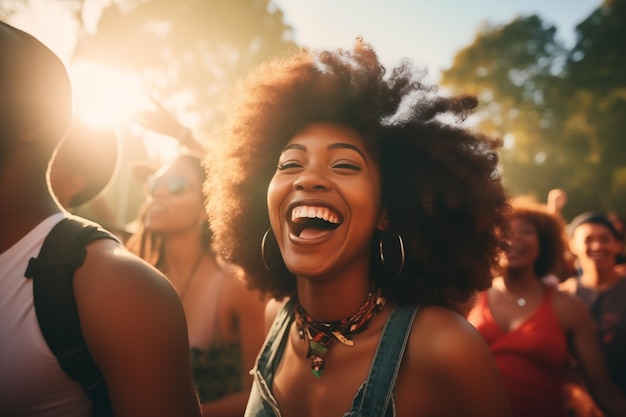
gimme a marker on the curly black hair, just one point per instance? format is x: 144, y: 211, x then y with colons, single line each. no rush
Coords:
x: 440, y: 182
x: 550, y: 229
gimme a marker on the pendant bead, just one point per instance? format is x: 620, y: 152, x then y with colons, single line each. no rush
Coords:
x: 321, y: 335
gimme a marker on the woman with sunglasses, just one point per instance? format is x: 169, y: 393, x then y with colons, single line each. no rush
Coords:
x: 341, y: 191
x: 224, y: 318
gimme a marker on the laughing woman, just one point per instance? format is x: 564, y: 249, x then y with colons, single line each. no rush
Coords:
x: 341, y: 190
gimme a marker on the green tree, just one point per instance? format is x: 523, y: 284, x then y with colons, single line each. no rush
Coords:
x: 560, y: 111
x: 511, y: 68
x: 188, y: 49
x: 595, y: 121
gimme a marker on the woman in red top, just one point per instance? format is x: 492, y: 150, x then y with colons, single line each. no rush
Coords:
x: 532, y: 328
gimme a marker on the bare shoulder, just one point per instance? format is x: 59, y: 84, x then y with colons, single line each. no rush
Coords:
x: 447, y: 358
x: 570, y: 310
x: 135, y: 329
x: 444, y: 342
x: 444, y: 335
x: 115, y: 288
x: 111, y: 268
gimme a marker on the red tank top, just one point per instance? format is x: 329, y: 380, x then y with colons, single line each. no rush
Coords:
x: 532, y: 358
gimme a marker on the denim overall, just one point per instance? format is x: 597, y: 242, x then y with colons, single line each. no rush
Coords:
x: 374, y: 398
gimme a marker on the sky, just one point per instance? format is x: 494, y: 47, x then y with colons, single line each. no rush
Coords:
x: 428, y: 31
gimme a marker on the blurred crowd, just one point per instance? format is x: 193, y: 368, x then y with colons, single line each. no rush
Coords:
x: 553, y: 317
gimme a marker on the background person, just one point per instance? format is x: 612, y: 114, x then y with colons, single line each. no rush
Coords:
x: 594, y: 241
x: 131, y: 318
x: 532, y: 328
x: 224, y: 318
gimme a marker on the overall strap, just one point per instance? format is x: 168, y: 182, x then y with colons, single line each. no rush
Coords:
x: 62, y: 252
x: 373, y: 399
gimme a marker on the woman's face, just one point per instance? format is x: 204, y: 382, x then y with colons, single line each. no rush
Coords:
x: 324, y: 201
x: 175, y: 200
x: 595, y: 246
x: 524, y: 248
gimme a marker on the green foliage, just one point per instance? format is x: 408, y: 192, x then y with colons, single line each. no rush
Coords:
x: 562, y: 112
x: 194, y: 49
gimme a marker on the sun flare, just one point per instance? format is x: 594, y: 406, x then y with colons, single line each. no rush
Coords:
x: 105, y: 96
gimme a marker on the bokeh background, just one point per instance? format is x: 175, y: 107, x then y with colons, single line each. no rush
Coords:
x: 550, y: 75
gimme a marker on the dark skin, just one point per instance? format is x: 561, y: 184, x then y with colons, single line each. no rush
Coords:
x: 124, y: 341
x: 430, y: 372
x: 519, y: 280
x: 179, y: 220
x: 142, y: 341
x: 327, y: 165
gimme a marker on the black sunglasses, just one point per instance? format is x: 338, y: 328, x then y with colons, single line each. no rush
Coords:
x: 173, y: 185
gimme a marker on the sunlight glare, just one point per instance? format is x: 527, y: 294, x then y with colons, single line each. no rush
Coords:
x: 105, y: 96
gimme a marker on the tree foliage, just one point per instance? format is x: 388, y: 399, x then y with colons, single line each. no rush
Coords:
x: 193, y: 50
x: 562, y: 112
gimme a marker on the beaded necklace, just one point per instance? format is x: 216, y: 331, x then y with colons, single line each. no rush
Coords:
x: 321, y: 335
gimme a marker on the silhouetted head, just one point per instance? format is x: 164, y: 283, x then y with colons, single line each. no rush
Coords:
x: 35, y: 95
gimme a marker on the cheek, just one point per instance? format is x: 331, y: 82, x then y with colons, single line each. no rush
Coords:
x: 275, y: 195
x: 615, y: 247
x: 368, y: 195
x: 577, y: 248
x: 365, y: 206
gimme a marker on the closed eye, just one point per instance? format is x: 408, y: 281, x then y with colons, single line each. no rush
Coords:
x: 345, y: 165
x: 288, y: 165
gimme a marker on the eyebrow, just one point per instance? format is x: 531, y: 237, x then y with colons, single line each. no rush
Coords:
x: 339, y: 145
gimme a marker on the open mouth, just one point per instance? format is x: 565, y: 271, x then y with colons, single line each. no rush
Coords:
x: 309, y: 222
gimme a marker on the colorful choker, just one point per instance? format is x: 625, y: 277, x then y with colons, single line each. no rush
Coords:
x: 321, y: 335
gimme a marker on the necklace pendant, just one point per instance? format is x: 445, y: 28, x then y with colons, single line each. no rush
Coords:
x: 321, y: 335
x: 317, y: 365
x: 344, y: 340
x: 521, y: 302
x: 317, y: 349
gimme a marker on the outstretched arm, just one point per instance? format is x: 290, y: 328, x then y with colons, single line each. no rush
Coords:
x: 163, y: 121
x: 135, y: 328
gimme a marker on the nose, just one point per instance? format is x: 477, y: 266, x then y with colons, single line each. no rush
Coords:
x: 312, y: 179
x: 595, y: 244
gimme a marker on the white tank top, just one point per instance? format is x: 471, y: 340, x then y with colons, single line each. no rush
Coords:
x: 32, y: 382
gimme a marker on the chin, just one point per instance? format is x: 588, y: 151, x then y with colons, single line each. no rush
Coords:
x: 307, y: 269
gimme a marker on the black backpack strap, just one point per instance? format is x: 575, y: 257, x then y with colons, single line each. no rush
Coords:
x: 62, y: 252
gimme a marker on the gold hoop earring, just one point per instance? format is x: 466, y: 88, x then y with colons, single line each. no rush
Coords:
x: 382, y: 252
x: 263, y: 241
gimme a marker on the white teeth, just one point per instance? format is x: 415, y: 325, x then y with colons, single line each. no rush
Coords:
x: 314, y: 213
